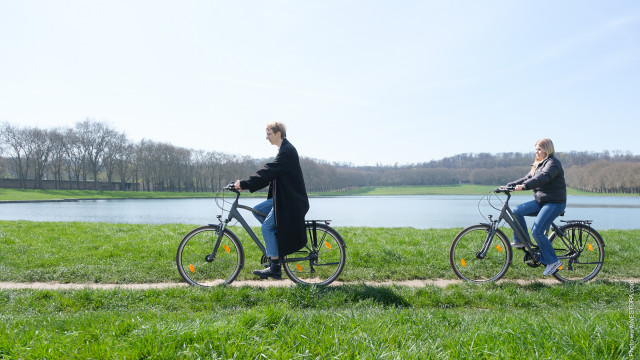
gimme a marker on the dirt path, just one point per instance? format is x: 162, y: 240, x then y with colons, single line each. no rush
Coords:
x: 255, y: 283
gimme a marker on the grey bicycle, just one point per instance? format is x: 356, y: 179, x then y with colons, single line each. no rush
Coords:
x: 213, y: 255
x: 483, y: 253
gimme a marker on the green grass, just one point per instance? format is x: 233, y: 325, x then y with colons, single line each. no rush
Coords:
x: 34, y: 195
x: 127, y: 253
x: 490, y: 321
x: 357, y: 321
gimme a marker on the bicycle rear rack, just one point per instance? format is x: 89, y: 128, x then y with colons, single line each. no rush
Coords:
x: 583, y: 222
x: 313, y: 222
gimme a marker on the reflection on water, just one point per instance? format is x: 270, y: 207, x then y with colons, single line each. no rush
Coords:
x: 427, y: 211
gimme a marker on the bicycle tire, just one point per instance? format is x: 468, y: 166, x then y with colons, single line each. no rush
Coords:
x: 197, y: 266
x: 581, y: 251
x: 468, y: 266
x: 321, y: 261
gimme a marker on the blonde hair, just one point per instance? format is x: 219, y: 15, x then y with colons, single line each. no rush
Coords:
x: 545, y: 145
x: 277, y: 126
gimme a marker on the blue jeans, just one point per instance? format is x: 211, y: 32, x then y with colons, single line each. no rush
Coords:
x: 268, y: 227
x: 545, y: 215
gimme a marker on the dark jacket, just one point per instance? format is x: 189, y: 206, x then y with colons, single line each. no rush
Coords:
x: 283, y: 175
x: 547, y: 182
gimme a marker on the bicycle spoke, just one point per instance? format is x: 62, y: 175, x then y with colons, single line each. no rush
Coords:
x: 470, y: 263
x: 322, y: 260
x: 199, y: 265
x: 581, y: 251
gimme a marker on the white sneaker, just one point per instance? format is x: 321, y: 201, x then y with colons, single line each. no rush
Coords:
x: 551, y: 268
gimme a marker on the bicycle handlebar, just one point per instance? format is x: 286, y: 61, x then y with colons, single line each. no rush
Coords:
x: 232, y: 187
x: 504, y: 189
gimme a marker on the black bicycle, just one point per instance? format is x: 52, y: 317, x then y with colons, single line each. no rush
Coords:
x: 213, y: 255
x: 482, y: 253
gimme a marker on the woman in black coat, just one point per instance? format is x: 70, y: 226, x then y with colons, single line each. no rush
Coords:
x: 283, y: 229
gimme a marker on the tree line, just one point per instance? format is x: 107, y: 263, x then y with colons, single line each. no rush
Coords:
x: 91, y: 154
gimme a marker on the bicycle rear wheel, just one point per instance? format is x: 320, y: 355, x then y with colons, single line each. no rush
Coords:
x: 581, y: 250
x: 321, y: 261
x: 466, y: 258
x: 202, y: 263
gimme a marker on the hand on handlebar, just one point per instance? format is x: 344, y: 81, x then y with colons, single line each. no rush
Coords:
x: 237, y: 185
x: 505, y: 189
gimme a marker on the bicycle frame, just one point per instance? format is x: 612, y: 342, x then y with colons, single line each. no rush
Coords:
x: 507, y: 215
x: 234, y: 214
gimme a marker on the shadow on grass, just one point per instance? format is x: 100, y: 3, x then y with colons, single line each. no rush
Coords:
x: 352, y: 294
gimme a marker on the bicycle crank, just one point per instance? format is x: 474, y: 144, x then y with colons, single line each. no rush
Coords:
x: 531, y: 260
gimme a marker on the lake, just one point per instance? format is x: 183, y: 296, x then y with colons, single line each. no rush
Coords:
x: 422, y: 212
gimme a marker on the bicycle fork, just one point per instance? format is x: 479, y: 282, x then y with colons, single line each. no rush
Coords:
x: 487, y: 242
x: 219, y: 233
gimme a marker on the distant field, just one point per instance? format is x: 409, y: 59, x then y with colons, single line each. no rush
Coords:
x: 33, y: 195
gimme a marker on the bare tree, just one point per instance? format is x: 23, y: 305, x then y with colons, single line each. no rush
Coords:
x: 58, y: 160
x: 20, y: 149
x: 125, y: 164
x: 94, y: 140
x: 42, y: 147
x: 114, y: 152
x: 75, y: 156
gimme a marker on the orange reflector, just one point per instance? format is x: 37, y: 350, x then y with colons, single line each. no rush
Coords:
x: 560, y: 268
x: 464, y: 263
x: 299, y: 267
x: 226, y: 248
x: 590, y: 247
x: 499, y: 248
x: 192, y: 268
x: 326, y: 243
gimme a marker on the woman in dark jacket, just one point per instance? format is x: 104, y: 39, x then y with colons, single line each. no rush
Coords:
x: 283, y: 229
x: 546, y: 179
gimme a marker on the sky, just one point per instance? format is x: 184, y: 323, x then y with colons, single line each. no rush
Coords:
x: 361, y: 82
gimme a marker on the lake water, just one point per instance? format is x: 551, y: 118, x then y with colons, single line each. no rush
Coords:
x: 422, y: 212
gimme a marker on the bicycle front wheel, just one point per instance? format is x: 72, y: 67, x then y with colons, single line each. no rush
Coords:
x: 207, y: 258
x: 581, y: 250
x: 321, y: 261
x: 476, y: 257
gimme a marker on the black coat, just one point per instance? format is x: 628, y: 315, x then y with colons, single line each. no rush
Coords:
x: 283, y: 175
x: 547, y: 182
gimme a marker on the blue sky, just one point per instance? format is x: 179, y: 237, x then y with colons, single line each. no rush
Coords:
x: 362, y: 82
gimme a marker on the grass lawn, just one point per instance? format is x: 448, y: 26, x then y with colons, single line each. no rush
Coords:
x: 490, y: 321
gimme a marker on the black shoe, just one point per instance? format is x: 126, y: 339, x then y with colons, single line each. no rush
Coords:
x: 273, y: 271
